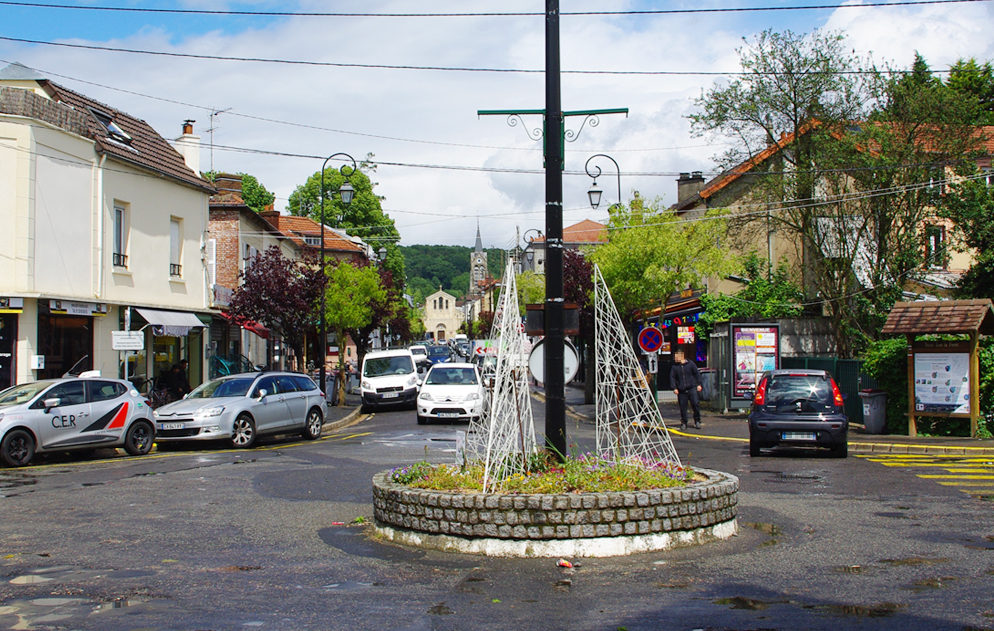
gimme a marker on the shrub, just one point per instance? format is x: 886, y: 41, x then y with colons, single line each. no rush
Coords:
x: 887, y: 362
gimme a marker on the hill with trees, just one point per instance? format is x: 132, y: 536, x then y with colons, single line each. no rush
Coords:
x: 429, y: 266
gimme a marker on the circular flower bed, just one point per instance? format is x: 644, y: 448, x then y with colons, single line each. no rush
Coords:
x: 562, y: 515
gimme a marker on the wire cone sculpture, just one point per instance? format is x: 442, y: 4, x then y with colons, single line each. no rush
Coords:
x: 629, y: 425
x: 504, y: 438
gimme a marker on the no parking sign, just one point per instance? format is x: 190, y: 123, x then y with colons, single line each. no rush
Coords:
x: 650, y: 339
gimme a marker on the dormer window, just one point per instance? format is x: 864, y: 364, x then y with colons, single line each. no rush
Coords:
x: 313, y: 241
x: 113, y: 131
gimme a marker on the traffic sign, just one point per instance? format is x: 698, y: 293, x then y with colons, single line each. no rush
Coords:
x: 650, y: 339
x: 127, y: 340
x: 653, y: 363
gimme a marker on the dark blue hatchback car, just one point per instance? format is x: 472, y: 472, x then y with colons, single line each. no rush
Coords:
x: 800, y: 408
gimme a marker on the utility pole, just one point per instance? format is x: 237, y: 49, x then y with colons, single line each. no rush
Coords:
x: 555, y: 135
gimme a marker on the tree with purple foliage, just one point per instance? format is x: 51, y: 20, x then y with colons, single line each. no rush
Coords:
x: 281, y: 294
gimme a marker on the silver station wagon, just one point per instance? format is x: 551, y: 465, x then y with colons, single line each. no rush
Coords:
x: 240, y: 408
x: 73, y: 414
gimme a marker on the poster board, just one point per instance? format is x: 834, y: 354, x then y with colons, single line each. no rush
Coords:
x: 755, y: 350
x: 942, y: 379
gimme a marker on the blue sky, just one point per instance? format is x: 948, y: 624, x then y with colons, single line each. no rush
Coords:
x: 418, y: 118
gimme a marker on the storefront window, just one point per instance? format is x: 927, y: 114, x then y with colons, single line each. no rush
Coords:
x: 66, y: 342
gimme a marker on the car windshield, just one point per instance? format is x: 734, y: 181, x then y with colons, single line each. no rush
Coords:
x: 452, y: 377
x: 438, y: 350
x: 800, y: 393
x: 380, y: 366
x: 220, y: 388
x: 15, y: 395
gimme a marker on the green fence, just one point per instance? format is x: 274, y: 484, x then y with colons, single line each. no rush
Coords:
x: 848, y: 374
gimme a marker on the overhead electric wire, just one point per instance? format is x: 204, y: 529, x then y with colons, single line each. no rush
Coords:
x: 369, y: 66
x: 216, y: 12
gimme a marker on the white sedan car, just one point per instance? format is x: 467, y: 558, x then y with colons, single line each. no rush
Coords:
x: 451, y: 392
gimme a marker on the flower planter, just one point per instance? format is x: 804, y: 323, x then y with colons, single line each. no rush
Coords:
x: 541, y: 525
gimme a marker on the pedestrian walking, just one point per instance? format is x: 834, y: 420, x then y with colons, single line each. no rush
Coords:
x: 686, y: 381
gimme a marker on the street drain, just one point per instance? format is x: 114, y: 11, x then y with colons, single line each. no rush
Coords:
x: 794, y: 478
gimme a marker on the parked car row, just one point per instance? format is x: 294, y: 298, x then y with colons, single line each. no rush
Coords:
x: 92, y: 412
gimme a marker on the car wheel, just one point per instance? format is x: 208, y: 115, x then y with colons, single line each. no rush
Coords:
x: 365, y: 409
x: 17, y: 448
x: 422, y: 420
x: 243, y: 432
x: 138, y: 440
x: 841, y: 450
x: 754, y: 447
x: 315, y: 421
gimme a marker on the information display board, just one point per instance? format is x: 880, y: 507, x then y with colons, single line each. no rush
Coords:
x: 942, y: 382
x: 755, y: 350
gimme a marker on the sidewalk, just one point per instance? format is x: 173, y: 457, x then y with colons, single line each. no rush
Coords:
x: 340, y: 417
x: 733, y: 427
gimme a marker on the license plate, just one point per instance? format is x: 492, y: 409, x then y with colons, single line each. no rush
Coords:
x: 799, y: 436
x: 391, y: 395
x: 172, y: 426
x: 448, y: 415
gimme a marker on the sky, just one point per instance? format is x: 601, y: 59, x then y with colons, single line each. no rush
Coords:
x: 444, y: 168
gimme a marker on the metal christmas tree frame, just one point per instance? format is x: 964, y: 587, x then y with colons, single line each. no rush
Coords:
x: 629, y: 425
x: 504, y: 438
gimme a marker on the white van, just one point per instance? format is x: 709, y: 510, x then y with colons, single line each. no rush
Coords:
x: 388, y: 378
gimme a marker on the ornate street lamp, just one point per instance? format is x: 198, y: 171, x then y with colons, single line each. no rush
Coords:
x: 595, y: 193
x: 347, y: 193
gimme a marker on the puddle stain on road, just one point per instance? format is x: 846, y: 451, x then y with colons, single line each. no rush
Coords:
x: 748, y: 604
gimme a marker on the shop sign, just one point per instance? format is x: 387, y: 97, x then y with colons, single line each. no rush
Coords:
x: 69, y: 307
x: 11, y: 305
x: 222, y: 296
x: 685, y: 335
x: 127, y: 340
x: 679, y: 321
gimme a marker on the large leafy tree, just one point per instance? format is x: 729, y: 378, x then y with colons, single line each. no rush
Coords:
x: 254, y: 194
x: 652, y: 253
x: 281, y: 294
x: 351, y: 296
x: 970, y: 205
x: 970, y: 77
x: 768, y: 293
x: 363, y: 217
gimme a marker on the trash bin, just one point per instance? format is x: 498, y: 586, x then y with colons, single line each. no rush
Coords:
x: 874, y: 410
x: 707, y: 383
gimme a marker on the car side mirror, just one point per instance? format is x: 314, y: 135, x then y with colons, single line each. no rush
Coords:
x: 748, y: 395
x: 262, y: 393
x: 54, y: 402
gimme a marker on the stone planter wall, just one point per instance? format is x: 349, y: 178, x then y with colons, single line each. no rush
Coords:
x: 701, y: 505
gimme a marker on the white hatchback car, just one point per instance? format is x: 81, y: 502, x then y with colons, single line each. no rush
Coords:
x: 73, y: 414
x: 451, y: 392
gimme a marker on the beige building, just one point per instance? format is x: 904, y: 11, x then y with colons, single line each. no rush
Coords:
x: 104, y: 226
x: 442, y: 318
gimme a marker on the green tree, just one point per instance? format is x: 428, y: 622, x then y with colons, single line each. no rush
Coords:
x: 969, y: 77
x: 768, y: 293
x: 653, y: 253
x: 364, y: 217
x: 254, y: 194
x: 531, y: 289
x: 350, y: 297
x: 970, y: 206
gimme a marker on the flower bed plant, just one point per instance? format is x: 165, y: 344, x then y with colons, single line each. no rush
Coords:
x: 585, y: 473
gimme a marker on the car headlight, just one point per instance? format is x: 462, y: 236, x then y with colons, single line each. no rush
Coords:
x: 203, y: 413
x: 472, y: 396
x: 425, y: 396
x: 155, y: 414
x: 366, y: 385
x: 412, y: 381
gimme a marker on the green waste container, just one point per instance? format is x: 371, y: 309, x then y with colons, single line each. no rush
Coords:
x: 874, y: 410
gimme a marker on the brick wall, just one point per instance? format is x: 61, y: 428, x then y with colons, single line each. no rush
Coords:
x: 224, y: 225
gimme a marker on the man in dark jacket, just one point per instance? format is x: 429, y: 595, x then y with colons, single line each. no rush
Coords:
x: 686, y: 382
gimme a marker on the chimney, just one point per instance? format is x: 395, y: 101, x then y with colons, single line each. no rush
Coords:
x: 688, y: 185
x: 272, y: 216
x: 188, y: 146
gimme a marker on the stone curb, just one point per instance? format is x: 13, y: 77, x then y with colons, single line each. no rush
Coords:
x: 350, y: 419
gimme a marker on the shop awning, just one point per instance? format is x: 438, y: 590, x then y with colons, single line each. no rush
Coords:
x: 170, y: 323
x: 248, y: 325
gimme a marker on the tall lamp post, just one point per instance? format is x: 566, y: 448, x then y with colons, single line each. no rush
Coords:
x: 346, y: 192
x: 595, y: 193
x: 530, y: 254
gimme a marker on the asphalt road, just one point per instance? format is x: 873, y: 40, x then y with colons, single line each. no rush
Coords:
x: 217, y: 539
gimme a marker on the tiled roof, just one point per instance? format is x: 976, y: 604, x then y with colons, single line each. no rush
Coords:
x: 298, y: 227
x: 942, y: 316
x: 147, y: 148
x: 586, y: 231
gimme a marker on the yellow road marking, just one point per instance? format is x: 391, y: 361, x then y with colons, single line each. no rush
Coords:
x: 725, y: 438
x: 337, y: 437
x: 932, y: 464
x: 991, y: 483
x: 957, y: 477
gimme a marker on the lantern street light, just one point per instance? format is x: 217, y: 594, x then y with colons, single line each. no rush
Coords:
x: 346, y: 192
x: 595, y: 193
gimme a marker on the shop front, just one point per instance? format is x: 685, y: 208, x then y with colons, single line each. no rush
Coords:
x: 65, y: 337
x: 9, y: 310
x: 170, y: 336
x: 678, y: 324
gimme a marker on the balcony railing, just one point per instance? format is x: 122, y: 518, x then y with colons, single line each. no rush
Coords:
x: 120, y: 260
x: 175, y: 269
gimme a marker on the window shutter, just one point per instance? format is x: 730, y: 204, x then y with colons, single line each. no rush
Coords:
x: 212, y: 262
